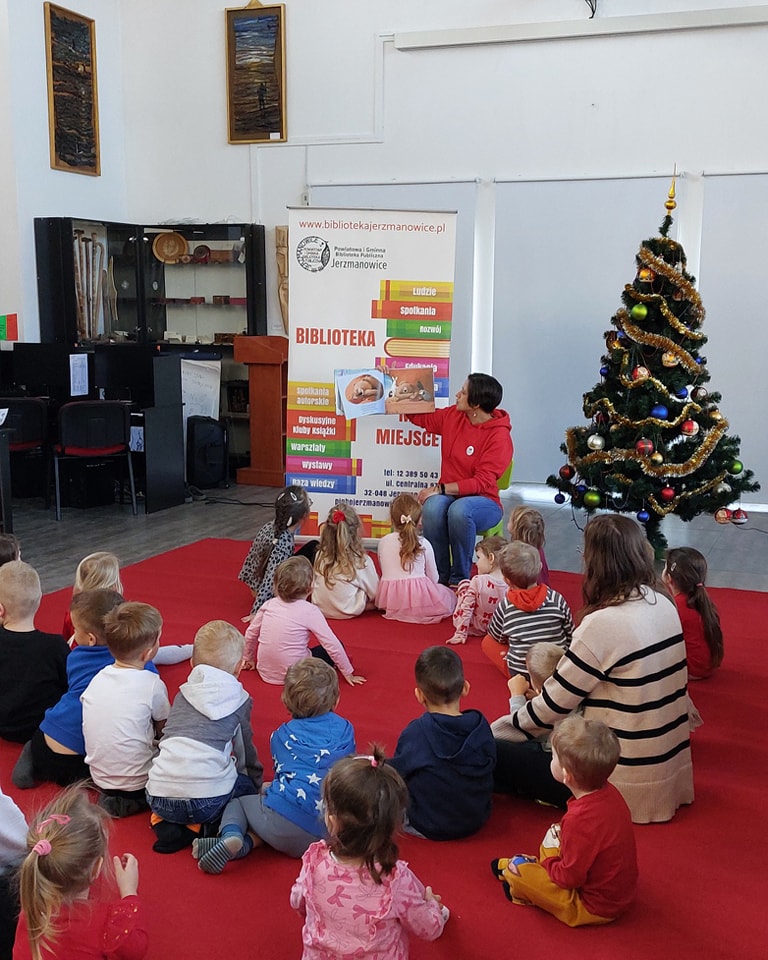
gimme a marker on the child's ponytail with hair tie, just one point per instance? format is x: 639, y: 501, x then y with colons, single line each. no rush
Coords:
x: 338, y: 516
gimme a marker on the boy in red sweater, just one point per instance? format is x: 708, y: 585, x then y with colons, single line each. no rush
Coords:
x: 587, y: 871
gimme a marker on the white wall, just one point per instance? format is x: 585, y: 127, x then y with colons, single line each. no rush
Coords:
x: 361, y: 111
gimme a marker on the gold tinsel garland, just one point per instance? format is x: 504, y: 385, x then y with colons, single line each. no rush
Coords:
x: 689, y: 292
x: 660, y: 472
x: 632, y: 384
x: 658, y: 342
x: 664, y: 509
x: 604, y: 404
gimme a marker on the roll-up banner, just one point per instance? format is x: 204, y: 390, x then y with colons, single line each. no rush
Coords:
x: 371, y: 310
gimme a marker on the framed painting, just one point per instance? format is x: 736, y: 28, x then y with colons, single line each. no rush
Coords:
x: 73, y: 109
x: 256, y: 74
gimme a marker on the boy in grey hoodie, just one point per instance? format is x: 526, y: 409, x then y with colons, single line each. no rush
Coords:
x: 206, y: 755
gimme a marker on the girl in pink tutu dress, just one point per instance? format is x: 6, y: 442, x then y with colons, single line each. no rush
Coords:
x: 408, y: 587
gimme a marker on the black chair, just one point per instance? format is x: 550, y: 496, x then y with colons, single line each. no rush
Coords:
x: 28, y: 419
x: 94, y: 430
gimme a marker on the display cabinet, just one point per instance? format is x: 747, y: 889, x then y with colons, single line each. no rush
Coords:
x: 189, y: 283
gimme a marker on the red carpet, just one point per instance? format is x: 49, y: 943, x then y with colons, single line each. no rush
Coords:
x: 700, y: 875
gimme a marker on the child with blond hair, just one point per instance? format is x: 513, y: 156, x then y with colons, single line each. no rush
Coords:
x: 586, y: 872
x: 69, y: 905
x: 530, y: 613
x: 282, y: 628
x: 523, y: 768
x: 527, y: 524
x: 477, y: 599
x: 345, y: 580
x: 101, y: 571
x: 124, y: 709
x: 33, y: 671
x: 408, y: 588
x: 286, y: 815
x: 206, y: 756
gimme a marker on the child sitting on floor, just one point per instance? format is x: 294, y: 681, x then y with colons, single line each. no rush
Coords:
x: 356, y: 897
x: 587, y: 867
x: 68, y: 907
x: 206, y: 754
x: 33, y: 672
x: 685, y: 574
x: 523, y: 768
x: 286, y: 815
x: 530, y: 613
x: 408, y: 588
x: 13, y: 849
x: 56, y: 751
x: 124, y: 709
x: 527, y: 525
x: 283, y: 625
x: 447, y: 755
x: 345, y: 580
x: 274, y: 543
x: 101, y: 571
x: 477, y: 599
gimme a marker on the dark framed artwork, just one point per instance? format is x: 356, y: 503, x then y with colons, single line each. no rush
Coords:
x: 73, y: 108
x: 256, y: 74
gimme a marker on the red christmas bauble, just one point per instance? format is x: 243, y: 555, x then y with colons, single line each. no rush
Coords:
x: 739, y: 516
x: 567, y: 472
x: 689, y: 428
x: 641, y: 373
x: 667, y: 494
x: 644, y: 447
x: 723, y: 515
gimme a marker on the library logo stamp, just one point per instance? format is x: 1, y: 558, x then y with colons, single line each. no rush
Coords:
x: 313, y: 254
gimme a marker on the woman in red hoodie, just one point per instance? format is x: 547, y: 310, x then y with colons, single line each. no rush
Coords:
x: 476, y: 450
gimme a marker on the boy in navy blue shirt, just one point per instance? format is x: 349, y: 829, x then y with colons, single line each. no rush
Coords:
x: 446, y: 756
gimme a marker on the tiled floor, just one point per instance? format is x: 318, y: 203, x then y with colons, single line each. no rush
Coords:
x: 737, y: 555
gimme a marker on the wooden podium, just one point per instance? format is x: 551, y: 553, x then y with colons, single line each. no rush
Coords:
x: 267, y: 362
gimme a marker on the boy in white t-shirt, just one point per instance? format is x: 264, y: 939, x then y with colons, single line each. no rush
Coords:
x: 124, y: 710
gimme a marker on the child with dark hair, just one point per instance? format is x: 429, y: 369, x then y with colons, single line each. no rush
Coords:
x: 685, y: 574
x: 446, y: 756
x: 282, y: 627
x: 345, y: 581
x: 274, y: 543
x: 10, y: 548
x: 56, y: 751
x: 587, y: 869
x: 285, y: 815
x: 477, y: 599
x: 408, y: 588
x: 356, y: 897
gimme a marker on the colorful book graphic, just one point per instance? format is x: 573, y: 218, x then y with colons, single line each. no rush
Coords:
x: 419, y: 290
x: 9, y: 326
x: 410, y: 310
x: 399, y: 347
x: 352, y: 466
x: 303, y: 394
x: 338, y: 486
x: 318, y: 425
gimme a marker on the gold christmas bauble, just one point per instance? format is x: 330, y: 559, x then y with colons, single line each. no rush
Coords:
x: 669, y: 359
x: 716, y: 415
x: 657, y: 458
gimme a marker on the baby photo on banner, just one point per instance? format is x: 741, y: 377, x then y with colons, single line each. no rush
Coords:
x: 371, y: 294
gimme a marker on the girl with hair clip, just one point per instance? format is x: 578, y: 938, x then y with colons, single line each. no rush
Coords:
x: 685, y: 574
x: 408, y: 589
x: 527, y: 524
x: 345, y: 580
x: 274, y: 543
x: 357, y: 898
x: 68, y: 908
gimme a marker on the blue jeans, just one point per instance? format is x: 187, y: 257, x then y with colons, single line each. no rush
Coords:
x: 200, y: 809
x: 451, y: 524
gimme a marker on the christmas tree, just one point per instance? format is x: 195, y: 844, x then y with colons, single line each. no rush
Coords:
x: 657, y: 442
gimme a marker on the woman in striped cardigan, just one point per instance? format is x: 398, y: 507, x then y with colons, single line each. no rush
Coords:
x: 626, y: 666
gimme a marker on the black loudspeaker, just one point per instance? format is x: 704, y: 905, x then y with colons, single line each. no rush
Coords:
x: 207, y: 453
